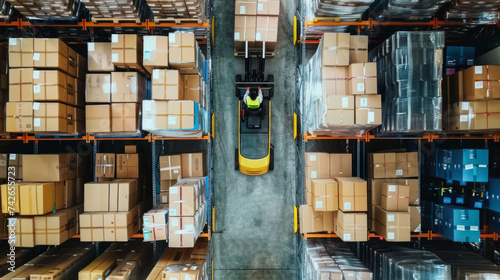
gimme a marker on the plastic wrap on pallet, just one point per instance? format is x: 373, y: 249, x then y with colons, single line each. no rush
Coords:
x: 347, y: 10
x: 118, y: 9
x: 7, y: 12
x: 410, y: 67
x: 50, y: 9
x: 410, y: 9
x: 487, y: 11
x: 171, y: 9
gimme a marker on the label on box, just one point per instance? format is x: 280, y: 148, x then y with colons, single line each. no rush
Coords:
x: 392, y: 188
x: 347, y: 206
x: 314, y: 175
x: 36, y: 74
x: 478, y: 84
x: 12, y: 157
x: 36, y: 56
x: 149, y: 43
x: 114, y: 57
x: 347, y: 237
x: 345, y: 102
x: 461, y: 227
x: 474, y: 228
x: 175, y: 222
x: 312, y: 158
x: 363, y: 102
x: 146, y: 234
x: 172, y: 120
x: 465, y: 106
x: 390, y: 218
x: 113, y: 87
x: 319, y: 204
x: 371, y: 117
x: 260, y: 7
x: 171, y: 39
x: 36, y: 89
x: 36, y: 106
x: 236, y: 35
x: 13, y: 42
x: 106, y: 88
x: 390, y: 235
x: 164, y: 199
x: 133, y: 84
x: 156, y: 74
x: 469, y: 166
x: 361, y: 86
x: 258, y: 36
x: 114, y: 38
x: 91, y: 47
x: 175, y: 171
x: 36, y: 122
x: 172, y: 212
x: 242, y: 10
x: 478, y: 70
x: 173, y: 190
x: 399, y: 172
x: 146, y: 221
x: 464, y: 118
x: 483, y: 166
x: 147, y: 55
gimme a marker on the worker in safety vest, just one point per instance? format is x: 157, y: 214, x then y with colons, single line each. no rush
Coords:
x: 252, y: 99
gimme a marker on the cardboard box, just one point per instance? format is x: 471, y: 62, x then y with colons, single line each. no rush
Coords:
x: 244, y: 30
x: 50, y: 54
x: 155, y: 115
x: 351, y: 226
x: 184, y: 199
x: 122, y: 195
x: 21, y: 52
x: 167, y: 85
x: 98, y: 88
x: 24, y: 230
x: 266, y: 31
x: 127, y: 166
x: 415, y: 219
x: 45, y: 168
x: 382, y: 165
x: 181, y: 231
x: 166, y: 184
x: 109, y: 226
x: 56, y: 228
x: 36, y: 199
x: 6, y: 192
x: 124, y: 117
x: 130, y: 149
x: 395, y: 198
x: 127, y: 87
x: 78, y: 118
x: 352, y: 194
x: 52, y: 85
x: 317, y: 166
x: 369, y: 109
x: 96, y: 197
x: 268, y: 7
x: 170, y: 167
x: 51, y: 117
x: 21, y: 85
x: 325, y: 195
x: 335, y: 49
x: 182, y: 50
x: 375, y: 188
x: 105, y: 165
x: 98, y: 118
x: 19, y: 116
x: 407, y: 164
x: 181, y: 114
x: 164, y: 196
x: 155, y: 54
x: 335, y: 81
x: 16, y: 161
x: 4, y: 159
x: 69, y: 196
x: 194, y: 88
x: 482, y: 82
x: 126, y: 50
x: 393, y: 226
x: 358, y: 49
x: 246, y: 7
x: 363, y: 78
x: 100, y: 57
x: 340, y: 117
x: 340, y: 165
x: 193, y: 165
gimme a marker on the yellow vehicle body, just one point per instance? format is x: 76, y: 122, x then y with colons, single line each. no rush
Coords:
x: 253, y: 167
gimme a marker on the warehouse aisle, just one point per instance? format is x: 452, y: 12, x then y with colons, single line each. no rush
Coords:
x: 254, y: 213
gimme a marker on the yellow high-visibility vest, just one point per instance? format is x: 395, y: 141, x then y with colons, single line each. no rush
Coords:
x: 253, y: 104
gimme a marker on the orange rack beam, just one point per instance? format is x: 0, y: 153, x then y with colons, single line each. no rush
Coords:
x: 429, y: 235
x: 430, y: 138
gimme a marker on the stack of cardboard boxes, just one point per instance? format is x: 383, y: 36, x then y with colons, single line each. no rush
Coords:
x: 171, y: 9
x: 112, y: 206
x: 256, y: 24
x: 50, y: 184
x: 4, y: 84
x: 59, y: 9
x: 46, y: 88
x: 114, y: 98
x: 155, y: 223
x: 114, y: 9
x: 393, y: 180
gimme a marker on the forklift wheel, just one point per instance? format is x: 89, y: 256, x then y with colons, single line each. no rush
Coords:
x: 271, y: 159
x: 236, y: 160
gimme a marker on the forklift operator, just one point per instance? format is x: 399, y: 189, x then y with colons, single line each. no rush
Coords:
x: 252, y: 99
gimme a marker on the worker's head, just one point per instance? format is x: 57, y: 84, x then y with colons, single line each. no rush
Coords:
x: 253, y: 94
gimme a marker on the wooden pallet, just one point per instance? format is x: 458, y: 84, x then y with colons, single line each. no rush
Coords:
x: 242, y: 53
x: 116, y: 20
x: 179, y: 20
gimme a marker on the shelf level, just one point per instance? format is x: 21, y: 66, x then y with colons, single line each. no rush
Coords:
x: 427, y: 235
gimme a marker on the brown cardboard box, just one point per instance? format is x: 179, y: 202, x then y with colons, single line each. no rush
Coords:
x: 69, y: 193
x: 183, y: 271
x: 124, y: 117
x: 155, y: 115
x: 16, y: 161
x: 183, y: 199
x: 36, y: 199
x: 393, y: 226
x: 352, y: 194
x: 82, y: 67
x: 340, y: 165
x: 72, y: 63
x: 167, y: 85
x: 127, y: 166
x: 98, y: 88
x: 21, y: 52
x: 358, y: 49
x: 126, y: 50
x: 164, y: 196
x: 50, y: 54
x: 2, y: 123
x: 6, y: 191
x: 482, y: 82
x: 56, y: 228
x: 351, y: 226
x: 193, y: 88
x: 340, y: 117
x: 335, y: 80
x: 24, y: 231
x: 21, y: 85
x: 182, y: 50
x: 122, y: 195
x: 155, y: 54
x: 51, y: 85
x: 325, y: 195
x: 91, y: 226
x: 407, y: 164
x: 317, y: 166
x: 395, y: 198
x: 72, y: 92
x: 382, y: 165
x: 50, y: 117
x: 166, y: 184
x: 76, y: 120
x: 474, y: 115
x: 120, y: 226
x: 45, y: 168
x: 79, y: 190
x: 181, y: 232
x: 96, y: 197
x: 19, y: 116
x: 266, y: 31
x: 170, y: 167
x: 127, y: 87
x: 100, y: 57
x: 181, y: 114
x: 193, y: 165
x: 105, y: 165
x: 375, y: 188
x: 415, y: 219
x: 200, y: 250
x: 245, y: 7
x: 130, y: 149
x: 335, y: 49
x: 98, y: 118
x: 363, y: 78
x: 244, y: 30
x: 268, y: 7
x: 4, y: 159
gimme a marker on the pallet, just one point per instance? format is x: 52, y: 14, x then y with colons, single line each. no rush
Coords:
x: 116, y: 20
x: 179, y: 20
x: 242, y: 53
x: 135, y: 68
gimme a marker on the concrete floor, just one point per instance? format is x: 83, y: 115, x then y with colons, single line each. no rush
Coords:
x: 255, y: 214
